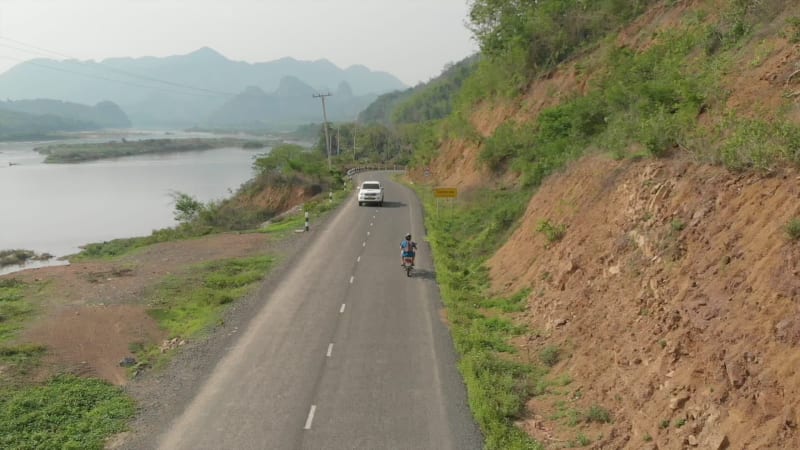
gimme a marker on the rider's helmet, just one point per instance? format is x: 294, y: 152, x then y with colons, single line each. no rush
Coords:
x: 408, y: 236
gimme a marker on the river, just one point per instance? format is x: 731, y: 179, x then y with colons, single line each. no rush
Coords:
x: 56, y: 208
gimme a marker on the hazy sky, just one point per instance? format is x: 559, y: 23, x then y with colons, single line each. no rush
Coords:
x: 412, y: 39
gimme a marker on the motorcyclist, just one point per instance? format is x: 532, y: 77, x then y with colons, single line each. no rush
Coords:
x: 408, y: 249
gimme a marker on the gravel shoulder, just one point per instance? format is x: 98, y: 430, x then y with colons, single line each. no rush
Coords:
x: 163, y: 395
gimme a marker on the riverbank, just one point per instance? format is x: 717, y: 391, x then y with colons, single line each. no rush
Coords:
x: 152, y: 320
x: 162, y: 312
x: 82, y: 152
x: 126, y: 309
x: 105, y: 200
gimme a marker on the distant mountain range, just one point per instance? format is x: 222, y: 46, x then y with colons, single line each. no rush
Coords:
x: 200, y: 88
x: 291, y: 103
x: 15, y: 125
x: 102, y: 115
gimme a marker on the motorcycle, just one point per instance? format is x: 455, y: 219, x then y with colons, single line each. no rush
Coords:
x: 408, y: 265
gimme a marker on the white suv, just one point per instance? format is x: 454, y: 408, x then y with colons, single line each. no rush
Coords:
x: 370, y: 192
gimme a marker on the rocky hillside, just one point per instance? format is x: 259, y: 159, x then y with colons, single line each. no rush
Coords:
x: 661, y: 276
x: 673, y: 296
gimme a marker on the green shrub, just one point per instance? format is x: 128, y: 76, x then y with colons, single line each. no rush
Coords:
x: 289, y: 159
x: 582, y: 440
x: 506, y: 143
x: 550, y: 355
x: 794, y: 29
x: 598, y: 414
x: 553, y: 232
x: 793, y: 229
x: 758, y: 144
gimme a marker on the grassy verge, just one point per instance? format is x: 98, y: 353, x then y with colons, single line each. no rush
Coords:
x: 15, y: 309
x: 192, y: 302
x: 498, y: 380
x: 189, y: 303
x: 66, y: 413
x: 17, y: 361
x: 118, y: 247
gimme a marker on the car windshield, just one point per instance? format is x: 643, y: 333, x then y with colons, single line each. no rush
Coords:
x: 370, y: 186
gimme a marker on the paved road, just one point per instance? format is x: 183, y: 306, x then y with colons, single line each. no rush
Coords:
x: 346, y: 353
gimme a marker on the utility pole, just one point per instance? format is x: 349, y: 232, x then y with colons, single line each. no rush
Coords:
x: 338, y: 139
x: 325, y: 117
x: 355, y: 129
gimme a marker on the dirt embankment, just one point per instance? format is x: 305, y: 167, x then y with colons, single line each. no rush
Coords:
x: 673, y: 296
x: 91, y: 312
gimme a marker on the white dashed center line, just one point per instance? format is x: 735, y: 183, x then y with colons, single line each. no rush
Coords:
x: 330, y: 350
x: 351, y: 279
x: 359, y: 259
x: 310, y: 418
x: 341, y: 310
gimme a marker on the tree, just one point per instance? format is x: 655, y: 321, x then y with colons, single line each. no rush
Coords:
x: 187, y: 208
x: 288, y: 159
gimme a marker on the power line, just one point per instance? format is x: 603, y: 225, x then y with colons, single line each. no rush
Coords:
x: 112, y: 80
x: 43, y: 51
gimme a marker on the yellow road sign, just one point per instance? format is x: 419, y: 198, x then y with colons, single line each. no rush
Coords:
x: 443, y: 192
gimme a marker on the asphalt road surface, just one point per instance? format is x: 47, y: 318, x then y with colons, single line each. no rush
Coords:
x: 346, y: 353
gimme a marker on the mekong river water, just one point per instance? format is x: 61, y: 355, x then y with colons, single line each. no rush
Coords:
x: 56, y: 208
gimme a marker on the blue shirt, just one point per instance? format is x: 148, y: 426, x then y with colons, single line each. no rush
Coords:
x: 408, y: 247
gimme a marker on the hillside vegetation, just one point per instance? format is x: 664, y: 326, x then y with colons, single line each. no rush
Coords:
x: 620, y: 268
x: 427, y: 101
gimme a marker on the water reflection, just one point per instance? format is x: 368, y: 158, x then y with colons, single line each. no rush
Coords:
x: 56, y: 208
